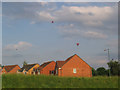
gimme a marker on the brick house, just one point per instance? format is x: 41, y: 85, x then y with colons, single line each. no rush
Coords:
x: 47, y: 68
x: 29, y: 69
x: 10, y: 69
x: 73, y: 66
x: 0, y: 69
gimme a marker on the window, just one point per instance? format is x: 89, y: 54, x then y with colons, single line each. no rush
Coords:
x: 34, y: 73
x: 74, y: 70
x: 52, y: 72
x: 38, y: 72
x: 33, y: 69
x: 25, y: 73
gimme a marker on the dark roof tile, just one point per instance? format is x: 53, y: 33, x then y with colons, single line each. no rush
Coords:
x: 44, y: 64
x: 9, y: 67
x: 27, y: 67
x: 59, y: 63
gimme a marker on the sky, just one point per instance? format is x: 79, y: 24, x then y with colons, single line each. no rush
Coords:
x: 0, y: 40
x: 60, y: 0
x: 0, y: 32
x: 28, y: 34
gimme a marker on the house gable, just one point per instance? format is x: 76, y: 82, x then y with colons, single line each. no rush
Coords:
x: 28, y: 69
x: 15, y: 69
x: 0, y: 70
x: 59, y: 64
x: 70, y: 58
x: 48, y: 68
x: 75, y: 66
x: 76, y: 60
x: 10, y: 69
x: 34, y: 67
x: 4, y: 71
x: 44, y: 65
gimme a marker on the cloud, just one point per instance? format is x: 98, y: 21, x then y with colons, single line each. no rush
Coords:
x: 97, y: 61
x: 93, y: 23
x: 33, y: 22
x: 88, y: 15
x: 61, y: 1
x: 91, y: 34
x: 23, y: 10
x: 86, y: 21
x: 12, y: 56
x: 20, y: 46
x: 113, y: 43
x: 44, y: 16
x: 91, y: 14
x: 44, y: 3
x: 70, y: 31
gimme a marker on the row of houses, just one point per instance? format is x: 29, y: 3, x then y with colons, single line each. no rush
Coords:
x: 72, y: 66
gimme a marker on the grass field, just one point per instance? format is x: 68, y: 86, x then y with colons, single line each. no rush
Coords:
x: 40, y: 81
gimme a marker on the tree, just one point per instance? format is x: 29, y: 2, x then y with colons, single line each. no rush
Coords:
x: 114, y: 67
x: 24, y: 63
x: 101, y: 71
x: 94, y: 73
x: 108, y: 72
x: 1, y: 66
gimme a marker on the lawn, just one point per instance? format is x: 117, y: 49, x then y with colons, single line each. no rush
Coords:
x: 41, y: 81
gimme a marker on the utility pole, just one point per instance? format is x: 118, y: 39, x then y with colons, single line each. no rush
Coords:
x: 108, y: 58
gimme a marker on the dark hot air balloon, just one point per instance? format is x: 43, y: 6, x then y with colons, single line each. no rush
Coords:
x: 52, y: 22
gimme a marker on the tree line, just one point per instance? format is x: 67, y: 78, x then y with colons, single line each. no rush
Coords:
x: 114, y: 69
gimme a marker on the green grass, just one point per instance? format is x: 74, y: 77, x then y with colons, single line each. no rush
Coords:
x: 41, y: 81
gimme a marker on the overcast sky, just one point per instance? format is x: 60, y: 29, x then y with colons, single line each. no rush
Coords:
x: 29, y: 35
x: 0, y: 33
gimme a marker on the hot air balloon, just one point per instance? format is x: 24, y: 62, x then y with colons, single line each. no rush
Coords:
x: 77, y: 44
x: 105, y: 50
x: 52, y: 22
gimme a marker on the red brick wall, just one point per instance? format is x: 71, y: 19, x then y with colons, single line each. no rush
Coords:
x: 82, y: 69
x: 0, y: 70
x: 14, y: 70
x: 50, y: 67
x: 3, y: 71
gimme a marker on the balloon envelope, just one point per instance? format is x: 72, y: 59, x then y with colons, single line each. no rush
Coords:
x: 77, y: 44
x: 104, y: 49
x: 52, y: 21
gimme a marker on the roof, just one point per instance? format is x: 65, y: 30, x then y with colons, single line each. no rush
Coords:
x: 84, y: 61
x: 9, y: 67
x: 69, y: 58
x: 27, y: 67
x: 44, y: 64
x: 61, y: 63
